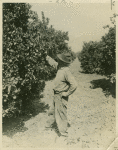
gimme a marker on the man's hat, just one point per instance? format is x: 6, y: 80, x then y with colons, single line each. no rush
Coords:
x: 65, y: 57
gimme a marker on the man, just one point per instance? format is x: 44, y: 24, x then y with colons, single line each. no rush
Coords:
x: 64, y: 85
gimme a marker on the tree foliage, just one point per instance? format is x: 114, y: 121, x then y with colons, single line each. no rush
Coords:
x: 26, y: 42
x: 100, y: 57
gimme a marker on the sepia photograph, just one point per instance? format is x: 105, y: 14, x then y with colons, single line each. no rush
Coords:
x: 59, y: 74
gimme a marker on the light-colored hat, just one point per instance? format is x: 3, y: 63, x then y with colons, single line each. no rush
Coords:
x: 65, y: 57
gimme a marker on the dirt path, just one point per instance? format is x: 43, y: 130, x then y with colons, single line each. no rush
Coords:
x: 90, y: 113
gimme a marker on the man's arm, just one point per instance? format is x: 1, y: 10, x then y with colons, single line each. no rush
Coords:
x: 73, y: 85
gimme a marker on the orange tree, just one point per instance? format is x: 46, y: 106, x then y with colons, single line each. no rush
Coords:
x: 26, y: 42
x: 100, y: 57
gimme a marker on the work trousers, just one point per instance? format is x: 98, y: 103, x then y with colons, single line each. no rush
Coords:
x: 59, y: 112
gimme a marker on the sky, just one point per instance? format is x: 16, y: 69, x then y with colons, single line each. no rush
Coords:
x: 82, y: 21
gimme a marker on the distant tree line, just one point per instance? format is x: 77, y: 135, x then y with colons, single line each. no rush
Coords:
x: 100, y: 57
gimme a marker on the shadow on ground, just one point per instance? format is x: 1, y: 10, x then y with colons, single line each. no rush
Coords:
x: 107, y: 87
x: 16, y: 124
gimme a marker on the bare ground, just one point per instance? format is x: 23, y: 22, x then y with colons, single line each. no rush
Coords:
x: 91, y: 114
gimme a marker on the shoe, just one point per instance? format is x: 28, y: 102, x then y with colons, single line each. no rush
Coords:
x: 49, y: 124
x: 65, y: 134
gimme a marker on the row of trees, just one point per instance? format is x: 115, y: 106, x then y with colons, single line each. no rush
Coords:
x: 27, y: 41
x: 100, y: 57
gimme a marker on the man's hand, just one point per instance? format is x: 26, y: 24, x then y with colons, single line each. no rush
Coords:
x: 64, y: 94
